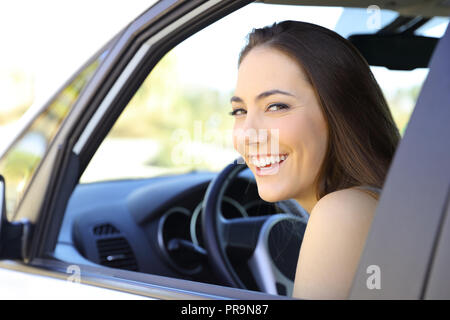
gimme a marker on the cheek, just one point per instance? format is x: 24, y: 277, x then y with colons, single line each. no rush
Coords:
x: 316, y: 140
x: 238, y: 138
x: 306, y: 134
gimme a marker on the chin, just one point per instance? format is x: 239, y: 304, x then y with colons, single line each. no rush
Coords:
x: 270, y: 196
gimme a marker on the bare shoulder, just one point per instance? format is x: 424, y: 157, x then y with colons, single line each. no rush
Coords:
x: 351, y: 202
x: 345, y: 214
x: 332, y: 245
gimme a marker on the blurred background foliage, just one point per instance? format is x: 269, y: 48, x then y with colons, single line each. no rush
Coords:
x: 18, y: 164
x: 402, y: 103
x: 166, y: 109
x: 163, y: 104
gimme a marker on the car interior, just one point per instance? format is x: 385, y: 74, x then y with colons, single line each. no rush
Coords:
x: 141, y: 210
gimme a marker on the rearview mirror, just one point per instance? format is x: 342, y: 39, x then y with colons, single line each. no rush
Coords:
x: 395, y: 51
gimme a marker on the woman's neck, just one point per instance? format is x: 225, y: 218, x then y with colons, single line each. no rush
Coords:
x: 307, y: 202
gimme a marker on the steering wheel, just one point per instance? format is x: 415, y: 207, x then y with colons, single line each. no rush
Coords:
x: 271, y: 241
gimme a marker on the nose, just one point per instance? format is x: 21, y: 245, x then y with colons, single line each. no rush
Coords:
x: 251, y: 136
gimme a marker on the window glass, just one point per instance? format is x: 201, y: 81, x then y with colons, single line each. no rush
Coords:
x: 178, y: 120
x: 21, y: 160
x: 402, y: 88
x: 435, y: 27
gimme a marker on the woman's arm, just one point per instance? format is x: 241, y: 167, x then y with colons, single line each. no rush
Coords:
x: 332, y: 245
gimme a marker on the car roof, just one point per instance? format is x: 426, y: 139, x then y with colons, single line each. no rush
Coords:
x: 404, y: 7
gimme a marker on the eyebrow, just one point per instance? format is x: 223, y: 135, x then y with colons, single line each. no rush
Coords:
x: 264, y: 94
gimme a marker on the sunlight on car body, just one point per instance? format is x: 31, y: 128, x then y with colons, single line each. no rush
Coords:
x: 24, y: 286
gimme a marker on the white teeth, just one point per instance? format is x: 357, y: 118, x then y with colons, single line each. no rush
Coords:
x: 263, y: 161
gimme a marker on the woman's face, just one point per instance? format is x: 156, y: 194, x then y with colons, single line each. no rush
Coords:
x: 277, y: 114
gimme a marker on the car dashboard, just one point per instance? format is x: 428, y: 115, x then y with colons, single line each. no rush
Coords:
x: 152, y: 225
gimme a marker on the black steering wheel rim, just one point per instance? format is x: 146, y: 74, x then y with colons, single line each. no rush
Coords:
x: 210, y: 224
x: 219, y: 232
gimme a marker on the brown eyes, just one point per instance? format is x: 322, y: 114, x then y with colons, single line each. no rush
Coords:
x: 272, y: 107
x: 279, y: 106
x: 237, y: 112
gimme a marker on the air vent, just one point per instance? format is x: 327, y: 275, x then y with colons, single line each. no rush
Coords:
x: 105, y: 229
x: 116, y: 253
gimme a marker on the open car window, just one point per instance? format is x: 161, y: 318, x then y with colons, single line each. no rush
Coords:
x: 178, y: 121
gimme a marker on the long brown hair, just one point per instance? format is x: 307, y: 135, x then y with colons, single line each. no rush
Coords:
x: 362, y: 135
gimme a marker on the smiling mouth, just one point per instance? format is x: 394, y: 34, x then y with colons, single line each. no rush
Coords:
x: 269, y: 161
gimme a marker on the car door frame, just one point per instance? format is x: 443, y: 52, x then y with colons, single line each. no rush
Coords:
x: 406, y: 248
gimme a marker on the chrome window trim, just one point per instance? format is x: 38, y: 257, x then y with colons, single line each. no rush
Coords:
x: 141, y: 285
x: 131, y: 66
x: 106, y: 103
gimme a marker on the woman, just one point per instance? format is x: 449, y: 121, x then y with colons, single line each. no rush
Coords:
x: 325, y: 137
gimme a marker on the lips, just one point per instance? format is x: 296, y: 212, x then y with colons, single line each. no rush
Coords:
x: 268, y: 164
x: 266, y: 161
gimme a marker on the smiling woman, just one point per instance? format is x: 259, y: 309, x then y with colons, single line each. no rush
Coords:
x: 296, y: 125
x: 333, y: 95
x: 321, y: 112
